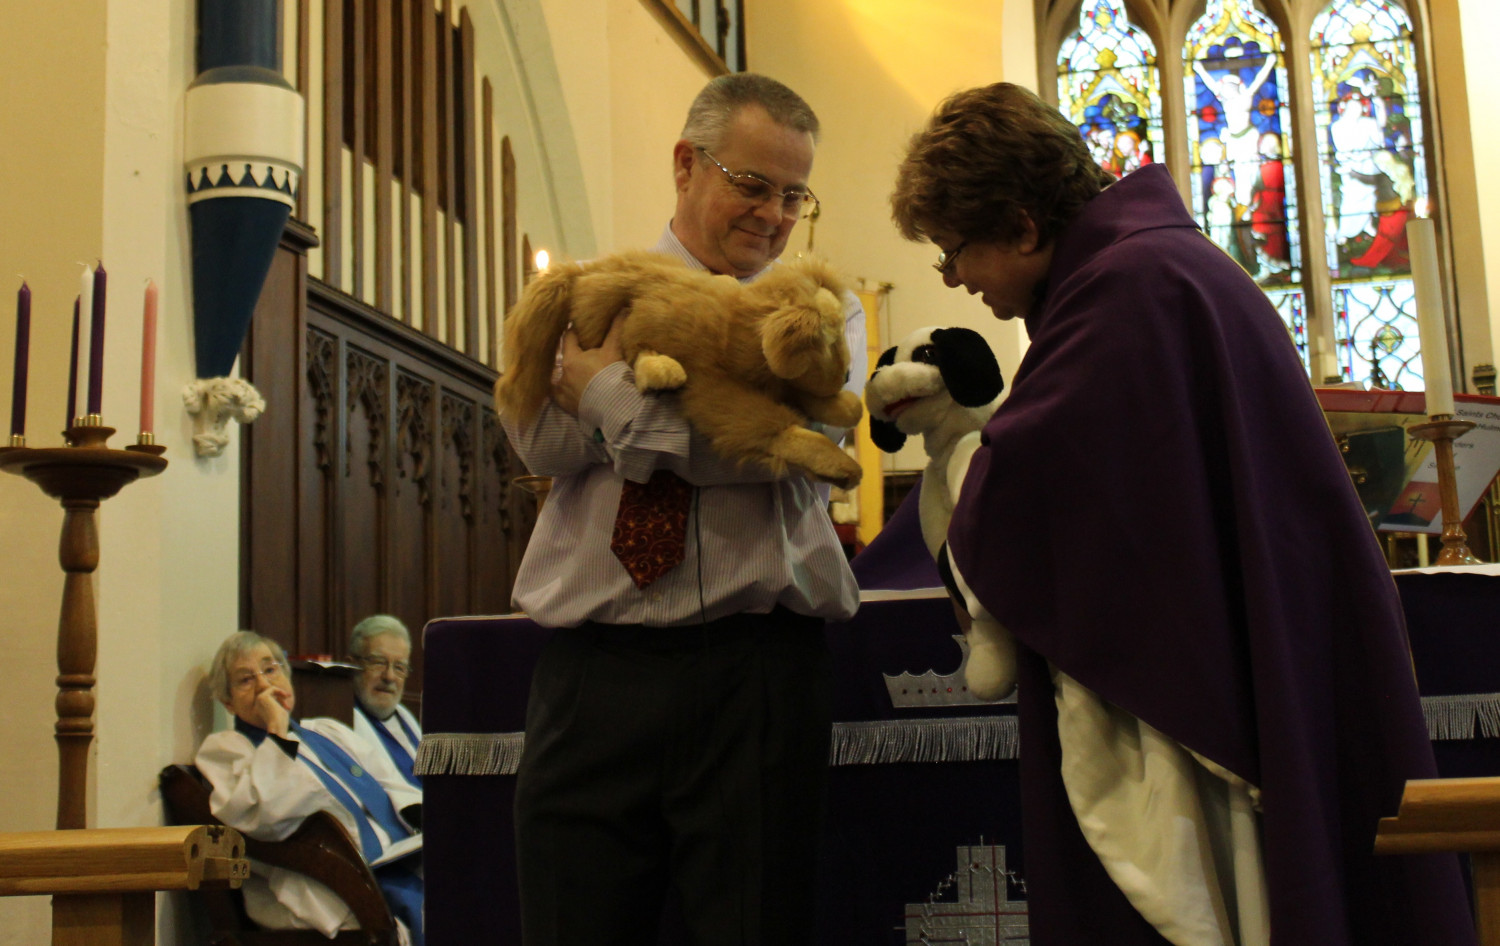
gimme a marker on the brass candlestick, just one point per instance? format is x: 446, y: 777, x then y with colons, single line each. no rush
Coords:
x: 81, y: 476
x: 1442, y: 430
x: 537, y: 486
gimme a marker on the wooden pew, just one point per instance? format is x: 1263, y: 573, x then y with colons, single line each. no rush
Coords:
x: 1453, y: 815
x: 103, y: 881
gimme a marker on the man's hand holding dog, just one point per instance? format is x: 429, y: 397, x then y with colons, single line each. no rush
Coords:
x: 579, y: 365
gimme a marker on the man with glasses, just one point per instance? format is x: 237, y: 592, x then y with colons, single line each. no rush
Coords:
x: 678, y: 726
x: 269, y: 772
x: 381, y: 646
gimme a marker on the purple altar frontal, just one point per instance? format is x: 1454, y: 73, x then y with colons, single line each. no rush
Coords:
x: 910, y: 785
x: 923, y: 828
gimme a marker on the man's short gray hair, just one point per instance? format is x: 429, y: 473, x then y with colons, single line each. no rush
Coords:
x: 715, y: 107
x: 240, y: 642
x: 374, y: 626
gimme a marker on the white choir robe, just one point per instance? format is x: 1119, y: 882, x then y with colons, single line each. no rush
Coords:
x: 265, y: 793
x: 365, y: 726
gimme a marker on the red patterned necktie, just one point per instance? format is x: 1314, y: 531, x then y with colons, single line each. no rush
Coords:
x: 650, y: 534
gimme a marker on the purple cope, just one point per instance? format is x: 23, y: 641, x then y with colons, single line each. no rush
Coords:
x: 1159, y: 511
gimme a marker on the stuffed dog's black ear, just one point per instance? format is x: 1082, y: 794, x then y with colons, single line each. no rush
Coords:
x: 887, y: 436
x: 968, y: 367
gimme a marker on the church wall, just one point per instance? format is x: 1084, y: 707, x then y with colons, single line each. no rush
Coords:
x: 873, y: 70
x: 652, y: 83
x: 52, y: 209
x: 554, y: 184
x: 1479, y: 21
x: 92, y: 170
x: 627, y: 82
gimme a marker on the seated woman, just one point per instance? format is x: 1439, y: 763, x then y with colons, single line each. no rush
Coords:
x: 269, y: 772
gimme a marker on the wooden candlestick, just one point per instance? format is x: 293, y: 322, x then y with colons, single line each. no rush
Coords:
x: 1442, y: 430
x: 81, y: 476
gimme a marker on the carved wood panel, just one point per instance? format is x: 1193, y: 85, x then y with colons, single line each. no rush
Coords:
x: 378, y: 479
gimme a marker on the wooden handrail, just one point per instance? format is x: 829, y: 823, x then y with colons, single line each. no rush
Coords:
x: 1459, y: 815
x: 1443, y: 814
x: 121, y: 860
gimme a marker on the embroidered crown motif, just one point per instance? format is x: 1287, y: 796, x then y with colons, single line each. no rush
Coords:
x: 931, y: 689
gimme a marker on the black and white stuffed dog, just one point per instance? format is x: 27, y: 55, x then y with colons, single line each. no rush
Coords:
x: 944, y: 383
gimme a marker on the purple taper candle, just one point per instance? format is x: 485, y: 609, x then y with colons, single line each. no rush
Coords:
x: 18, y: 379
x: 96, y: 344
x: 73, y: 371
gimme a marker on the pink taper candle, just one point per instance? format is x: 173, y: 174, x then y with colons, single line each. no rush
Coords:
x: 148, y: 360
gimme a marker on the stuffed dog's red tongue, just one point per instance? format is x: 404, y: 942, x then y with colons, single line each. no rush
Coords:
x: 894, y: 409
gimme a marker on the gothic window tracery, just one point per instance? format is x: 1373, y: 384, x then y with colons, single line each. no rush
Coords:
x: 1373, y: 177
x: 1108, y: 84
x: 1234, y: 143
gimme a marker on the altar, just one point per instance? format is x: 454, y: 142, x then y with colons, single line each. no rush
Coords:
x: 909, y: 785
x: 924, y: 813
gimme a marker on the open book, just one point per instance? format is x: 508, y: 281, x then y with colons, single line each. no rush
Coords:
x: 1396, y: 475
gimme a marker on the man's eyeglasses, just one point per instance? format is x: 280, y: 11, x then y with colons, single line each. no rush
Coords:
x: 381, y: 664
x: 947, y: 258
x: 795, y: 201
x: 245, y: 679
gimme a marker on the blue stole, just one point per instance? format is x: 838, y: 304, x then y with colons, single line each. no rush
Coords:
x: 348, y: 782
x: 373, y: 801
x: 393, y: 746
x: 364, y: 798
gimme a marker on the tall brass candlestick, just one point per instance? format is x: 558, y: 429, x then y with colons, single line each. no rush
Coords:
x: 81, y: 476
x: 1442, y: 430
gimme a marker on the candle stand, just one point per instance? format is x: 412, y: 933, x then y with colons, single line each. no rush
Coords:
x: 81, y: 476
x: 1442, y: 430
x: 537, y: 486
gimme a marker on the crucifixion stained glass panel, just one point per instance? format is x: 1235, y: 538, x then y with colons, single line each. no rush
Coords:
x: 1240, y: 144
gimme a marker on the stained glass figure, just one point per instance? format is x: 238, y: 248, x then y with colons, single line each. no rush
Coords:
x: 1374, y: 178
x: 1239, y: 138
x: 1108, y: 84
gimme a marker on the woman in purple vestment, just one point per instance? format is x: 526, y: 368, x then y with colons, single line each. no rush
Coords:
x: 1215, y: 687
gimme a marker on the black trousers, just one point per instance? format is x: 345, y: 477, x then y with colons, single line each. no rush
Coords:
x: 686, y: 759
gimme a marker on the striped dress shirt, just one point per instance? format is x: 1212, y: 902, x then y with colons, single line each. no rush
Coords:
x: 753, y: 541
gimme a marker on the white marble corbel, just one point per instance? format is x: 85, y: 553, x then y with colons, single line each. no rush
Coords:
x: 214, y: 402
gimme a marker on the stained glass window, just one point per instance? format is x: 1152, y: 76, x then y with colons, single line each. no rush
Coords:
x: 1376, y: 325
x: 1240, y: 143
x: 1373, y: 177
x: 1366, y: 166
x: 1108, y: 84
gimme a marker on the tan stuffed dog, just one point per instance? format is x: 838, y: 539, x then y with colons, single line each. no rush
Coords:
x: 753, y: 362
